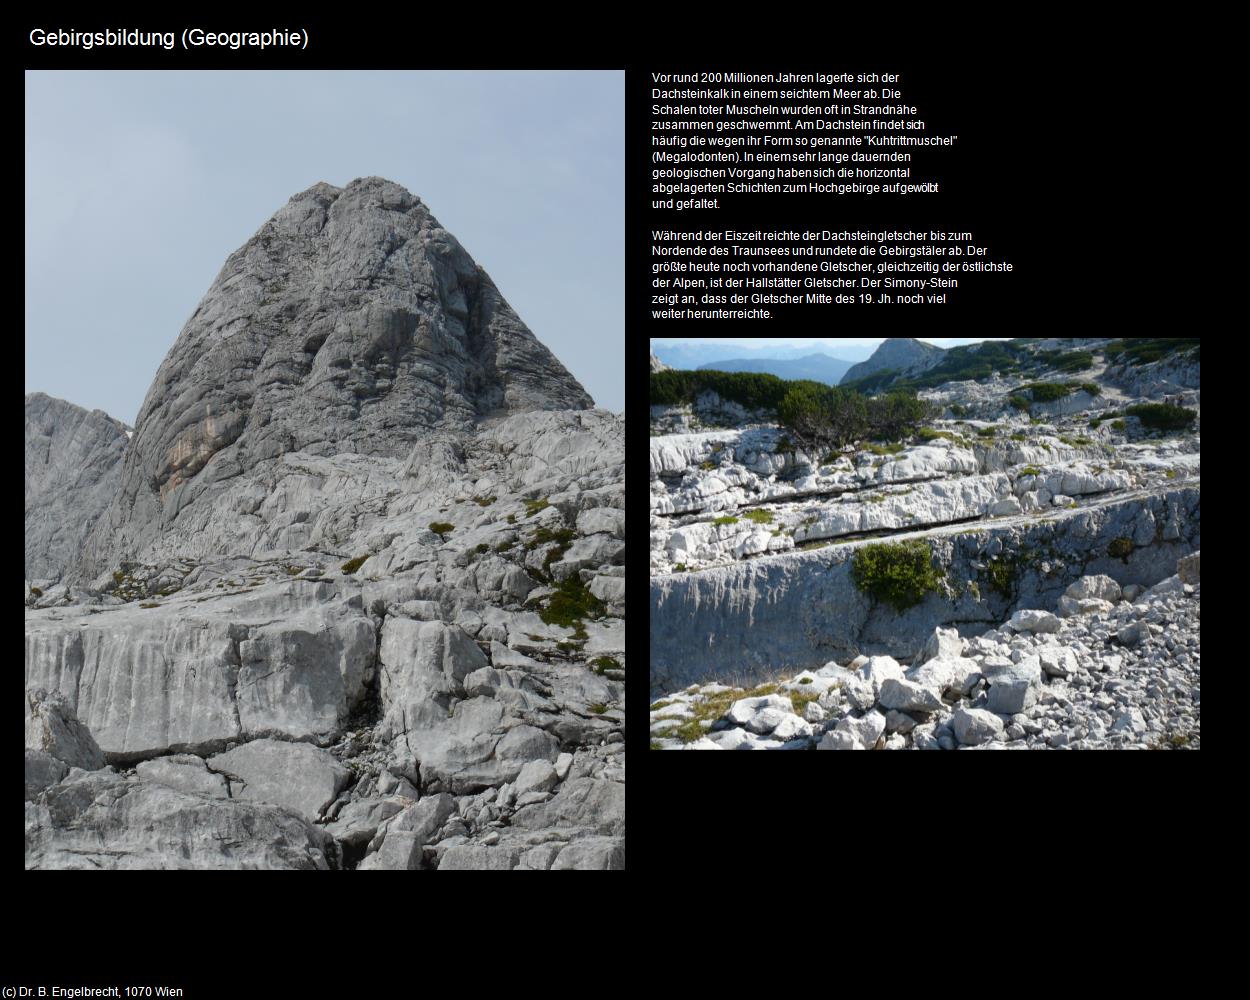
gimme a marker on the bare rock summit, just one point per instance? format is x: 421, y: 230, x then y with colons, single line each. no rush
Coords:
x: 350, y: 322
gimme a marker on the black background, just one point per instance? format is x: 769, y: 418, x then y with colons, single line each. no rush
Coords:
x: 1056, y: 170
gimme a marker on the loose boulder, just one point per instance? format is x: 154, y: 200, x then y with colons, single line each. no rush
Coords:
x: 974, y: 726
x: 295, y: 775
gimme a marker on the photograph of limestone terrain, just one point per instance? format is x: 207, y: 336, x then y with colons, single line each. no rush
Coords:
x: 333, y: 578
x: 896, y: 544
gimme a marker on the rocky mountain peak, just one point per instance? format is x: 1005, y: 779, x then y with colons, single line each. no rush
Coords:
x: 352, y: 321
x: 73, y: 460
x: 897, y: 354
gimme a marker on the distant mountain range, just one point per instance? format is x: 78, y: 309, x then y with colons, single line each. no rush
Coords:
x: 817, y: 367
x: 694, y: 354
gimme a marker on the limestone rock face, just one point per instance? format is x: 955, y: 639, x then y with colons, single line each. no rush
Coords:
x: 358, y: 600
x: 102, y: 820
x: 350, y: 322
x: 288, y: 659
x: 73, y: 465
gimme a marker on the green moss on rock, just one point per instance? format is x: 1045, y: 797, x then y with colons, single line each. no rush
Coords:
x: 1120, y: 548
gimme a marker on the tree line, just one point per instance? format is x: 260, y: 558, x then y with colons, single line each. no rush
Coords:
x: 824, y: 414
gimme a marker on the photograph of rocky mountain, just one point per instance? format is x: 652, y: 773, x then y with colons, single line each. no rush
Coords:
x: 985, y: 544
x: 349, y: 594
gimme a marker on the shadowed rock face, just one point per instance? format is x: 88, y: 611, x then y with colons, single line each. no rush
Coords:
x: 351, y: 322
x: 73, y: 463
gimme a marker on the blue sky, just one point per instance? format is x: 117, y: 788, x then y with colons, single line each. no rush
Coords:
x: 140, y: 184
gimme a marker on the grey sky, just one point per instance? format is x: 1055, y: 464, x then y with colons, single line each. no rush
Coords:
x: 140, y: 184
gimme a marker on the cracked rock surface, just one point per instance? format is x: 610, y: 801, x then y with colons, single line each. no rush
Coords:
x: 1019, y: 570
x: 357, y: 601
x: 1127, y: 677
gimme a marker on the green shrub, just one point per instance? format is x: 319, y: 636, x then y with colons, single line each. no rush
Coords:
x: 958, y: 411
x: 726, y: 519
x: 532, y: 507
x: 36, y: 591
x: 759, y: 516
x: 1019, y: 402
x: 986, y: 432
x: 1072, y: 361
x: 824, y: 413
x: 1046, y: 392
x: 883, y: 449
x: 1019, y: 437
x: 598, y: 708
x: 1030, y: 470
x: 1143, y: 350
x: 1171, y: 474
x: 707, y: 466
x: 482, y: 547
x: 839, y: 417
x: 753, y: 390
x: 1119, y: 425
x: 900, y: 574
x: 1093, y: 388
x: 1120, y: 548
x: 441, y: 527
x: 1162, y: 416
x: 570, y: 603
x: 1096, y: 422
x: 352, y: 565
x: 679, y: 568
x: 511, y: 519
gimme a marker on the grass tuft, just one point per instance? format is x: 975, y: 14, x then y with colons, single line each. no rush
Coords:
x: 532, y: 507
